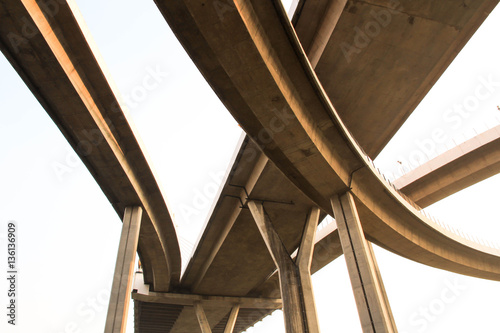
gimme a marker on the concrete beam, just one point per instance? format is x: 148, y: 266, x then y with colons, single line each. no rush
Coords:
x: 454, y: 170
x: 315, y: 40
x: 288, y: 272
x: 92, y: 118
x: 232, y: 319
x: 215, y: 301
x: 202, y: 318
x: 116, y: 320
x: 373, y: 307
x: 252, y: 180
x: 303, y: 261
x: 142, y: 293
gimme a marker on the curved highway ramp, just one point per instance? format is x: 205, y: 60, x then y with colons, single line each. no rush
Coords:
x: 310, y: 110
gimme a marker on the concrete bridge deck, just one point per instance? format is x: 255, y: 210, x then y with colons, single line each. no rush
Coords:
x: 255, y: 67
x: 462, y: 166
x: 315, y: 150
x: 376, y: 60
x: 261, y: 74
x: 56, y: 58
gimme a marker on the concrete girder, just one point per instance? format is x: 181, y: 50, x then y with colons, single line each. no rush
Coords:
x: 315, y: 24
x: 315, y: 149
x: 55, y: 56
x: 231, y: 321
x: 454, y: 170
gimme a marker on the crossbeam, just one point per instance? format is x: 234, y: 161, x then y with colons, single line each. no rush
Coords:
x: 144, y: 295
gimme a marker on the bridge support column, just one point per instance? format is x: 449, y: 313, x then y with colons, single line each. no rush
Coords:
x: 303, y: 261
x: 116, y: 320
x: 232, y: 319
x: 371, y: 299
x: 202, y: 318
x: 291, y: 295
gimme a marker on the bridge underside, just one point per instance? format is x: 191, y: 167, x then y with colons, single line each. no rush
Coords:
x: 58, y: 62
x: 469, y: 163
x: 381, y: 57
x: 258, y: 70
x: 304, y: 120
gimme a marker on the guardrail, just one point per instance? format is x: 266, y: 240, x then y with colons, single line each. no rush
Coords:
x: 456, y: 231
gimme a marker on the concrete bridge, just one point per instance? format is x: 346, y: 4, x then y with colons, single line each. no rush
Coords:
x: 466, y: 164
x: 312, y: 105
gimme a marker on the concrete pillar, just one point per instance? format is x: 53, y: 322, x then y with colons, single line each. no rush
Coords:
x: 202, y: 318
x: 232, y: 319
x: 371, y: 299
x: 303, y: 261
x: 116, y: 320
x: 293, y: 313
x: 325, y: 29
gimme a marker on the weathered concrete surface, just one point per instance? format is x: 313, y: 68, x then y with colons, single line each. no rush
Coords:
x: 116, y: 320
x: 258, y: 69
x: 232, y: 226
x: 369, y: 292
x: 303, y: 262
x: 171, y: 312
x: 290, y: 284
x: 458, y: 168
x: 385, y: 55
x: 230, y: 231
x: 314, y: 23
x: 260, y: 73
x: 55, y: 56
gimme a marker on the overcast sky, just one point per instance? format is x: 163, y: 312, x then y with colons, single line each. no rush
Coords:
x: 68, y: 232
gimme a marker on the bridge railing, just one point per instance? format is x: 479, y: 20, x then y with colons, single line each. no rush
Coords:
x: 456, y: 231
x: 408, y: 166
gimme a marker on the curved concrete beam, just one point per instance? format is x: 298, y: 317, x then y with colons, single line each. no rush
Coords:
x: 456, y: 169
x: 314, y: 23
x: 255, y: 64
x: 54, y: 54
x: 384, y: 56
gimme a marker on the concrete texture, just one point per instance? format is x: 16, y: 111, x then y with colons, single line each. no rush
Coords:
x: 302, y: 151
x: 60, y: 65
x: 460, y: 167
x: 316, y: 151
x: 367, y: 285
x: 116, y: 320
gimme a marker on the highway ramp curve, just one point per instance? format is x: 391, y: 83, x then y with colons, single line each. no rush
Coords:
x: 253, y: 60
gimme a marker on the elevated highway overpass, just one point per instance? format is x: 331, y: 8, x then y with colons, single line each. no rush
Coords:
x: 260, y: 72
x: 376, y: 60
x: 226, y: 233
x: 314, y: 149
x: 460, y: 167
x: 56, y: 58
x: 314, y: 156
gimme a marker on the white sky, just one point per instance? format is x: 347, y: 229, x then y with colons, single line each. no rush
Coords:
x: 68, y: 232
